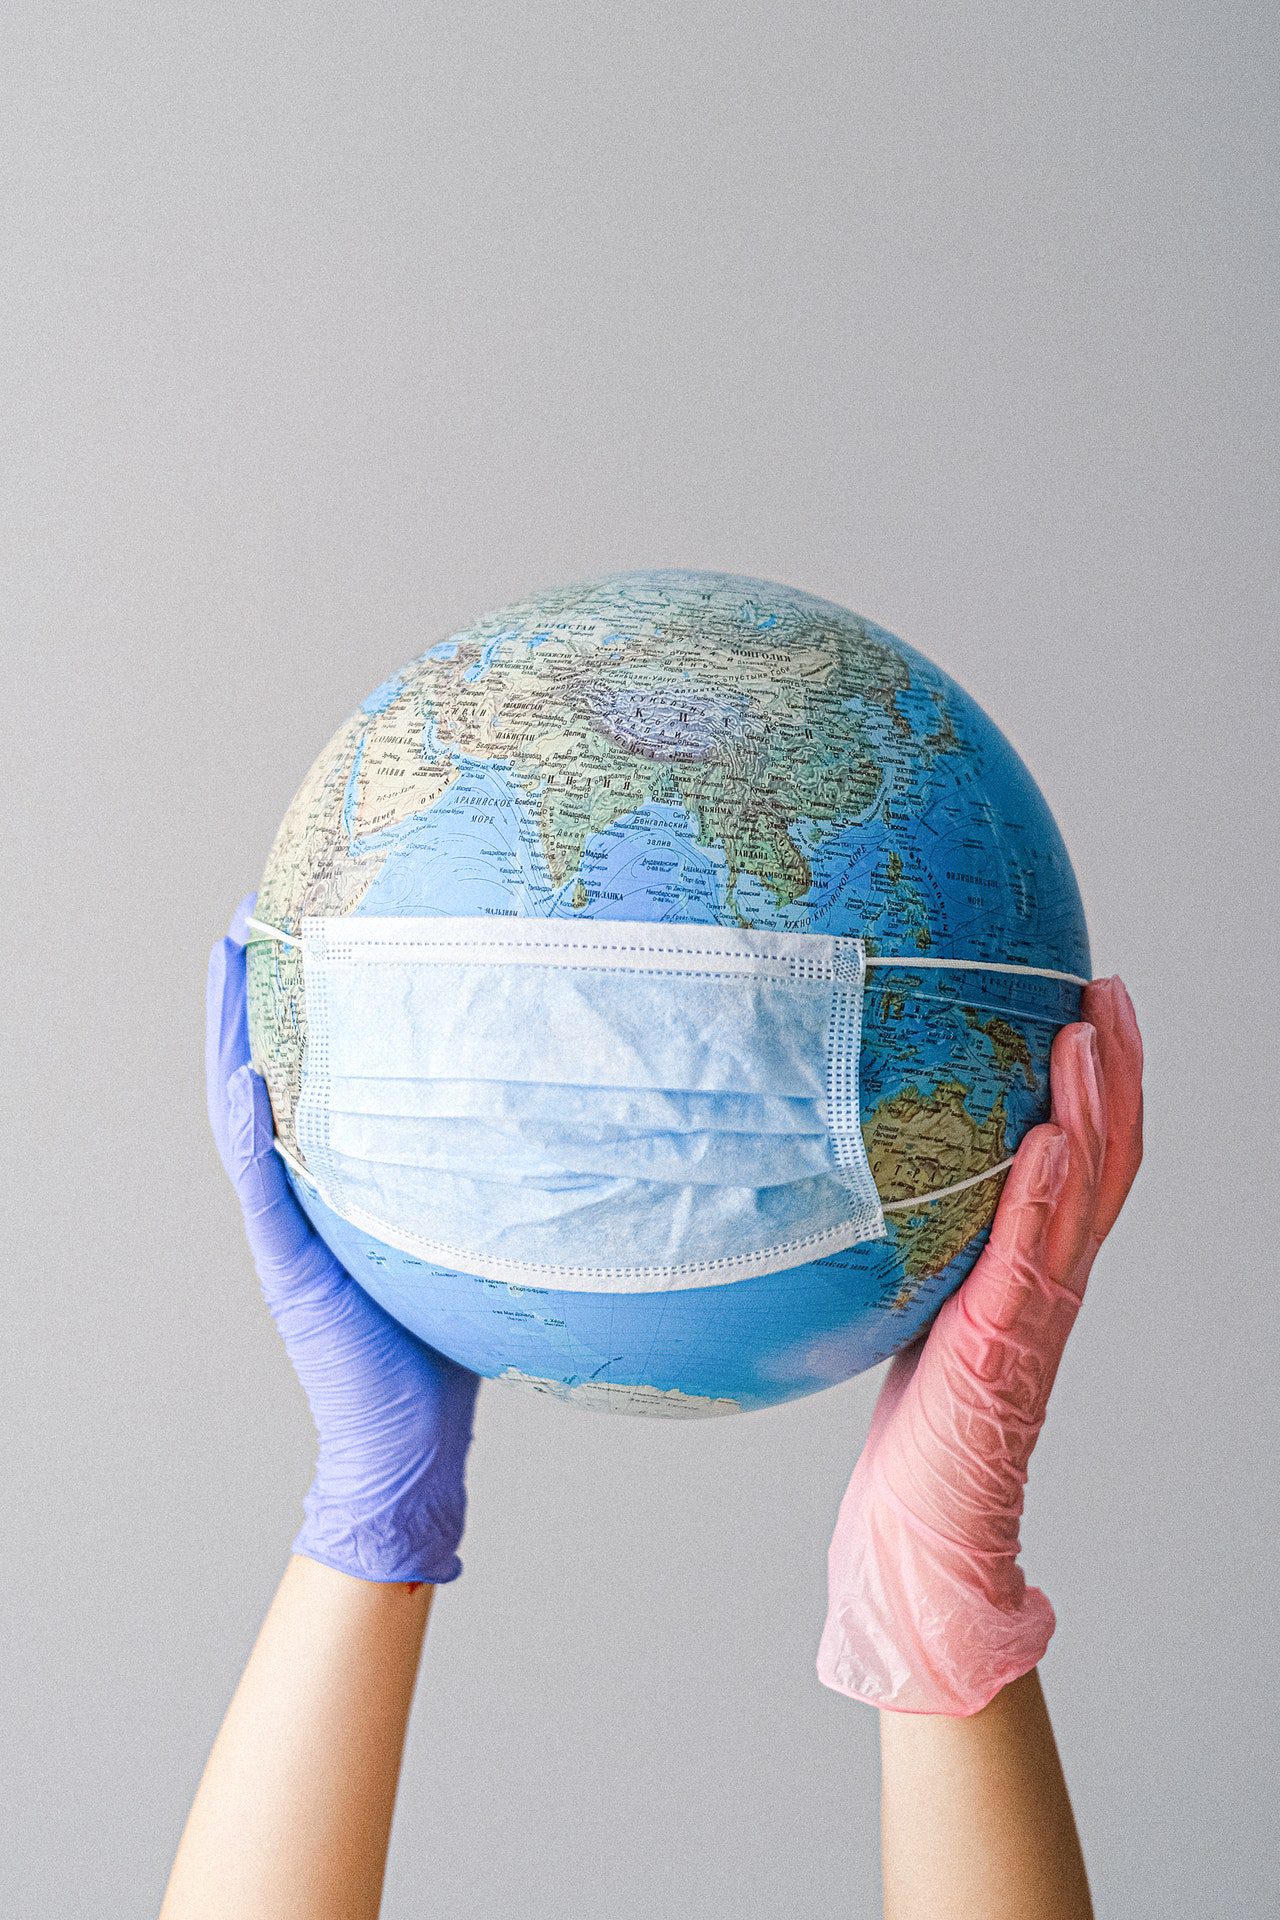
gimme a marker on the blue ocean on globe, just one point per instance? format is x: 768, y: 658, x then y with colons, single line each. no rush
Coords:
x: 705, y: 749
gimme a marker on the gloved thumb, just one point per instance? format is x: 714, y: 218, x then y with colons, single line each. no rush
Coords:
x: 278, y: 1232
x: 250, y: 1127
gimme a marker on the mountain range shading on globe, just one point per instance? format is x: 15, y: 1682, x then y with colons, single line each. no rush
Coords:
x: 693, y: 747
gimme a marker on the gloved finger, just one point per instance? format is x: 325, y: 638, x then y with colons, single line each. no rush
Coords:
x: 226, y: 1019
x: 1110, y: 1010
x: 285, y: 1248
x: 1001, y: 1290
x: 226, y: 1043
x: 1075, y: 1076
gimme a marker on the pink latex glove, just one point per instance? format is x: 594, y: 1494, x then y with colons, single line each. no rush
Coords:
x: 928, y: 1608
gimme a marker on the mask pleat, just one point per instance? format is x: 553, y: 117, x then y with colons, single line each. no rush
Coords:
x: 530, y: 1149
x: 667, y: 1109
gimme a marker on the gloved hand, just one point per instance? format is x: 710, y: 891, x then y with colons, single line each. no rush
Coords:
x: 393, y: 1417
x: 928, y: 1608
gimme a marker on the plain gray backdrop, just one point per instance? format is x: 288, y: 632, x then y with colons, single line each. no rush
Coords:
x: 326, y: 328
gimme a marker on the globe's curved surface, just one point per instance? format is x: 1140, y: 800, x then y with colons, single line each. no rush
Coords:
x: 702, y: 748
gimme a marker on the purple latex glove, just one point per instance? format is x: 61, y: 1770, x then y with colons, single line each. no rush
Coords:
x: 393, y: 1417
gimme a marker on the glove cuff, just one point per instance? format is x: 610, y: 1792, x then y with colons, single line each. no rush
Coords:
x: 916, y: 1626
x: 373, y: 1549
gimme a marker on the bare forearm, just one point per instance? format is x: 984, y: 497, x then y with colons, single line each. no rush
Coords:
x: 976, y: 1823
x: 293, y: 1815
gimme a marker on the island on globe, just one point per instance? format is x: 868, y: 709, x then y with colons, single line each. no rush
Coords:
x: 699, y: 748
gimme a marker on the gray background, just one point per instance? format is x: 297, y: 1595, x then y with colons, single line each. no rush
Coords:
x: 326, y: 328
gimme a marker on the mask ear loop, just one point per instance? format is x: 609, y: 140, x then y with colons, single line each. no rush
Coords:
x: 969, y: 966
x: 267, y: 932
x: 917, y: 1201
x: 964, y: 966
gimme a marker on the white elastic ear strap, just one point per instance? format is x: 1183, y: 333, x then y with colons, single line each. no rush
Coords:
x: 971, y: 966
x: 908, y: 961
x: 269, y: 932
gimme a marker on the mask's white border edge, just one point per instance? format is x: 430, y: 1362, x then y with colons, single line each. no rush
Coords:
x: 514, y: 1273
x: 626, y: 1280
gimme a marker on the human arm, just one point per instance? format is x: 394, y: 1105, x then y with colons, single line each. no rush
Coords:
x: 293, y: 1814
x: 292, y: 1817
x: 930, y: 1615
x: 975, y: 1817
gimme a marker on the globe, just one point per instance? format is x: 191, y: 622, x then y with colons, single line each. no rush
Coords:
x: 700, y: 748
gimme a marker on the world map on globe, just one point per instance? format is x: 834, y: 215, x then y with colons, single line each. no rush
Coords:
x: 720, y: 751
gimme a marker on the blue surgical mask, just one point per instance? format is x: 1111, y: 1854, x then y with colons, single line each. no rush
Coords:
x: 608, y: 1106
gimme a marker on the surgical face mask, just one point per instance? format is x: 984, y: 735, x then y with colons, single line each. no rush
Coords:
x: 604, y: 1106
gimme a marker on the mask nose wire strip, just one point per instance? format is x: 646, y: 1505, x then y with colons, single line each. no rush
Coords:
x: 911, y: 961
